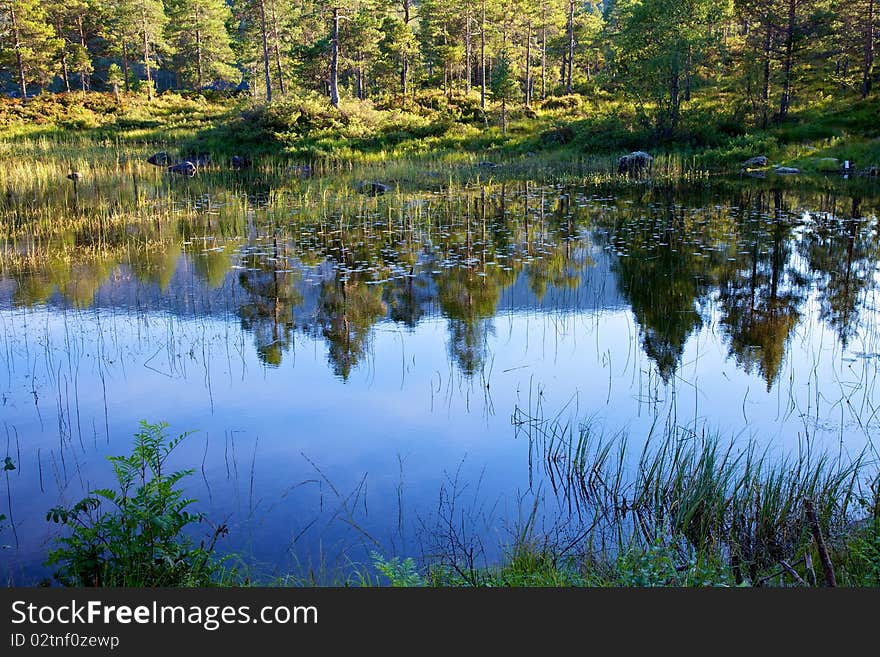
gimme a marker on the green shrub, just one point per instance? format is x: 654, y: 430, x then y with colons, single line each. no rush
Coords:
x: 568, y: 103
x: 400, y: 573
x: 140, y: 540
x: 662, y: 565
x: 557, y: 136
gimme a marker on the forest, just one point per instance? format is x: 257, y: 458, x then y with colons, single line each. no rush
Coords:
x: 746, y: 63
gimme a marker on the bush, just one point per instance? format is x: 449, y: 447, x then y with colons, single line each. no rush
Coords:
x: 557, y: 136
x: 568, y: 103
x: 140, y: 541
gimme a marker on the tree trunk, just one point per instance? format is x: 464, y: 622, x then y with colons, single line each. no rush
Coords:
x: 265, y: 36
x: 403, y: 67
x: 84, y: 77
x: 674, y: 98
x: 543, y: 51
x: 125, y: 64
x: 868, y: 73
x: 570, y: 45
x: 147, y: 53
x: 467, y: 51
x: 483, y: 58
x: 404, y: 64
x: 785, y: 101
x: 18, y: 59
x: 529, y: 64
x: 687, y: 76
x: 765, y: 87
x: 334, y: 60
x: 65, y: 73
x: 277, y: 48
x: 199, y: 59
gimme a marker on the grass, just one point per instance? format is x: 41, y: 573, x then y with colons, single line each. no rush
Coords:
x: 434, y: 126
x: 691, y: 511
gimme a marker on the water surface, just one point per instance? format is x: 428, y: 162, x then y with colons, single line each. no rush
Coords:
x: 359, y: 373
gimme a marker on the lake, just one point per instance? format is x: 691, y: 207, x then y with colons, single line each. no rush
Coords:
x: 375, y: 373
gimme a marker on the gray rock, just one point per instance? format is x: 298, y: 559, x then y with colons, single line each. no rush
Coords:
x: 488, y: 165
x: 240, y: 162
x: 373, y: 188
x: 160, y: 159
x: 755, y: 162
x: 185, y: 168
x: 200, y: 160
x: 786, y: 171
x: 635, y: 163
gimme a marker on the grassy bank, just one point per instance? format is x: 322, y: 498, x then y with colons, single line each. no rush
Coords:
x: 687, y: 511
x: 817, y: 138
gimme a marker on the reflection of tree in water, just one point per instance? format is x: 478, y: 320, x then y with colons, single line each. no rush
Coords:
x: 662, y: 280
x: 77, y: 282
x: 271, y: 297
x: 469, y: 301
x: 468, y: 291
x: 558, y: 264
x: 557, y: 268
x: 843, y: 254
x: 156, y: 263
x: 762, y: 293
x: 347, y: 311
x: 408, y: 299
x: 212, y: 264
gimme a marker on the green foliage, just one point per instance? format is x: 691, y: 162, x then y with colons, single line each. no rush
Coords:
x: 203, y: 52
x: 570, y: 102
x: 115, y: 77
x: 400, y: 573
x: 29, y: 43
x: 662, y: 565
x: 141, y: 539
x: 503, y: 85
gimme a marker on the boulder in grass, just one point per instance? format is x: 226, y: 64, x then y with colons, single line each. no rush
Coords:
x: 185, y: 168
x: 160, y: 159
x: 301, y: 171
x: 240, y: 162
x: 635, y: 163
x: 758, y: 162
x: 200, y: 160
x: 373, y: 188
x: 786, y: 171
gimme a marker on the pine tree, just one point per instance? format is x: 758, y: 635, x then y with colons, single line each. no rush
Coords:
x: 197, y: 31
x: 503, y: 87
x: 150, y: 20
x: 29, y: 42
